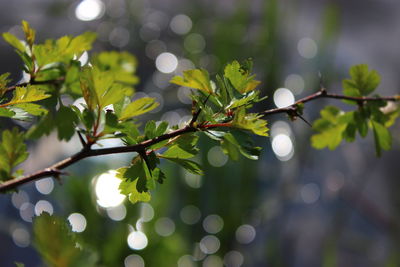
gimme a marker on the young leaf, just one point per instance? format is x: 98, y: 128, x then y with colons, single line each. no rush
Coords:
x: 3, y: 83
x: 14, y: 41
x: 27, y: 94
x: 240, y: 78
x: 183, y: 148
x: 197, y: 79
x: 66, y: 119
x: 121, y: 64
x: 251, y: 122
x: 66, y: 251
x: 362, y: 82
x: 29, y: 33
x: 383, y: 139
x: 189, y: 165
x: 332, y: 126
x: 138, y: 107
x: 12, y: 152
x: 129, y: 185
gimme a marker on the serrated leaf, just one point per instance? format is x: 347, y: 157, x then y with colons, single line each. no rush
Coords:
x: 189, y: 165
x: 362, y: 82
x: 251, y: 122
x: 247, y: 100
x: 161, y: 128
x: 33, y: 109
x: 138, y: 107
x: 66, y: 119
x: 196, y: 78
x: 240, y: 78
x: 184, y: 147
x: 26, y: 94
x: 5, y: 112
x: 383, y: 139
x: 121, y: 64
x: 150, y: 129
x: 67, y: 251
x: 129, y: 185
x: 4, y: 80
x: 332, y: 126
x: 237, y: 142
x: 14, y: 41
x: 12, y: 151
x: 29, y: 32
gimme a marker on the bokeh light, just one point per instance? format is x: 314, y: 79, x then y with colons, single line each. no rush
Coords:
x: 137, y: 240
x: 216, y: 157
x: 78, y: 222
x: 282, y: 146
x: 88, y: 10
x: 107, y: 192
x: 181, y: 24
x: 27, y: 211
x: 194, y: 43
x: 43, y: 206
x: 117, y: 213
x: 164, y: 226
x: 190, y: 214
x: 307, y: 48
x: 19, y: 198
x: 213, y: 261
x: 233, y: 259
x: 45, y: 186
x: 310, y: 193
x: 134, y: 260
x: 283, y: 97
x: 245, y: 234
x: 166, y: 62
x: 295, y: 83
x: 21, y: 237
x: 209, y: 244
x: 213, y: 223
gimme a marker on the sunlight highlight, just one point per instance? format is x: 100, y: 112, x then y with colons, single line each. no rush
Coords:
x: 107, y: 192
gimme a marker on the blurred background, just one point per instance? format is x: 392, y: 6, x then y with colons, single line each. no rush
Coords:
x: 296, y: 206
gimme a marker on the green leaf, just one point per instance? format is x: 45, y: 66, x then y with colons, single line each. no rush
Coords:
x: 250, y: 121
x: 246, y: 101
x: 4, y: 80
x: 29, y: 33
x: 66, y: 119
x: 122, y: 64
x: 33, y: 109
x: 189, y: 165
x: 14, y: 41
x: 129, y: 184
x: 197, y: 79
x: 332, y: 126
x: 237, y: 142
x: 183, y: 148
x: 27, y: 94
x: 58, y: 245
x: 362, y: 82
x: 19, y: 264
x: 240, y: 78
x: 150, y: 129
x: 383, y: 139
x: 12, y: 151
x: 5, y: 112
x: 138, y: 107
x: 162, y: 127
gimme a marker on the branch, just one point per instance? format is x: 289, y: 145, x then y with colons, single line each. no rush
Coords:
x: 86, y: 152
x: 33, y: 82
x: 322, y: 93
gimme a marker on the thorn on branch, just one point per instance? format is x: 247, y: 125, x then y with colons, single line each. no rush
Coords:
x: 56, y: 173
